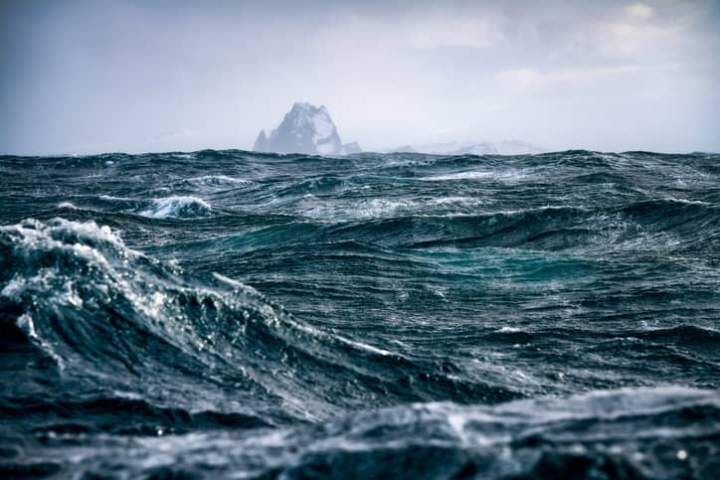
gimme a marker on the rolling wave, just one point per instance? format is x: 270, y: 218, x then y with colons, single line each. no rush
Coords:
x: 227, y: 314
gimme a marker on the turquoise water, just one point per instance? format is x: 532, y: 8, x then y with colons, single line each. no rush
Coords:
x: 228, y: 314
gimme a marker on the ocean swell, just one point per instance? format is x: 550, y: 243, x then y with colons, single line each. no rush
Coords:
x: 241, y: 315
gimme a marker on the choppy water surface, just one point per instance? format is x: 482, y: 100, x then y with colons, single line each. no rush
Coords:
x: 238, y: 315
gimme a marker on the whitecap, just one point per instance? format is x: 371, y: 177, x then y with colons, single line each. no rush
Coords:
x: 114, y: 198
x: 67, y: 205
x: 474, y: 175
x: 217, y: 180
x: 499, y: 175
x: 177, y: 207
x: 509, y: 330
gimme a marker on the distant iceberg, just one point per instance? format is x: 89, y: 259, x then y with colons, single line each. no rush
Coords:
x: 305, y: 129
x: 505, y: 147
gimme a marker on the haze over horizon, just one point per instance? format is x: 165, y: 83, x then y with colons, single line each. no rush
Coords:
x: 83, y: 76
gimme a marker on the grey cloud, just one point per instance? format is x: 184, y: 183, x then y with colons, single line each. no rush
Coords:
x: 83, y: 76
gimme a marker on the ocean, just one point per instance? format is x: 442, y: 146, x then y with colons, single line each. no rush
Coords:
x: 229, y: 314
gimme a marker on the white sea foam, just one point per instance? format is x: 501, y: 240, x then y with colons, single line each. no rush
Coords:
x: 509, y: 330
x: 366, y: 209
x: 685, y: 201
x: 114, y: 198
x: 363, y: 346
x: 217, y: 180
x: 177, y: 207
x: 361, y: 210
x: 474, y: 175
x: 74, y: 239
x: 507, y: 176
x: 67, y: 205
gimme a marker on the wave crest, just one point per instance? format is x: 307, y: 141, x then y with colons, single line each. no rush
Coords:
x: 103, y: 310
x: 177, y: 207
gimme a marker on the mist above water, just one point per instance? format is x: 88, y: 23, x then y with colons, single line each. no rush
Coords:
x: 91, y: 77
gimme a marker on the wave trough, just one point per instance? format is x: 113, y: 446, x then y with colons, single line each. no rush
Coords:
x: 226, y: 314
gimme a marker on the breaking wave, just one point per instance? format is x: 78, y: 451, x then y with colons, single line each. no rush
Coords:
x: 177, y: 207
x: 239, y: 315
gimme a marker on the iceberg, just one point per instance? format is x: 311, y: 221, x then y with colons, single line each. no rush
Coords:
x: 305, y: 129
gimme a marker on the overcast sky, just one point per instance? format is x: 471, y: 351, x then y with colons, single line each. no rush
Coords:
x: 142, y: 75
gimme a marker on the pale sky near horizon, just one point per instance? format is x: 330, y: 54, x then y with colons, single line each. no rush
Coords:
x: 91, y: 76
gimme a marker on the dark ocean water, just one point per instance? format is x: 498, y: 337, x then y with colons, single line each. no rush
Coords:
x: 239, y: 315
